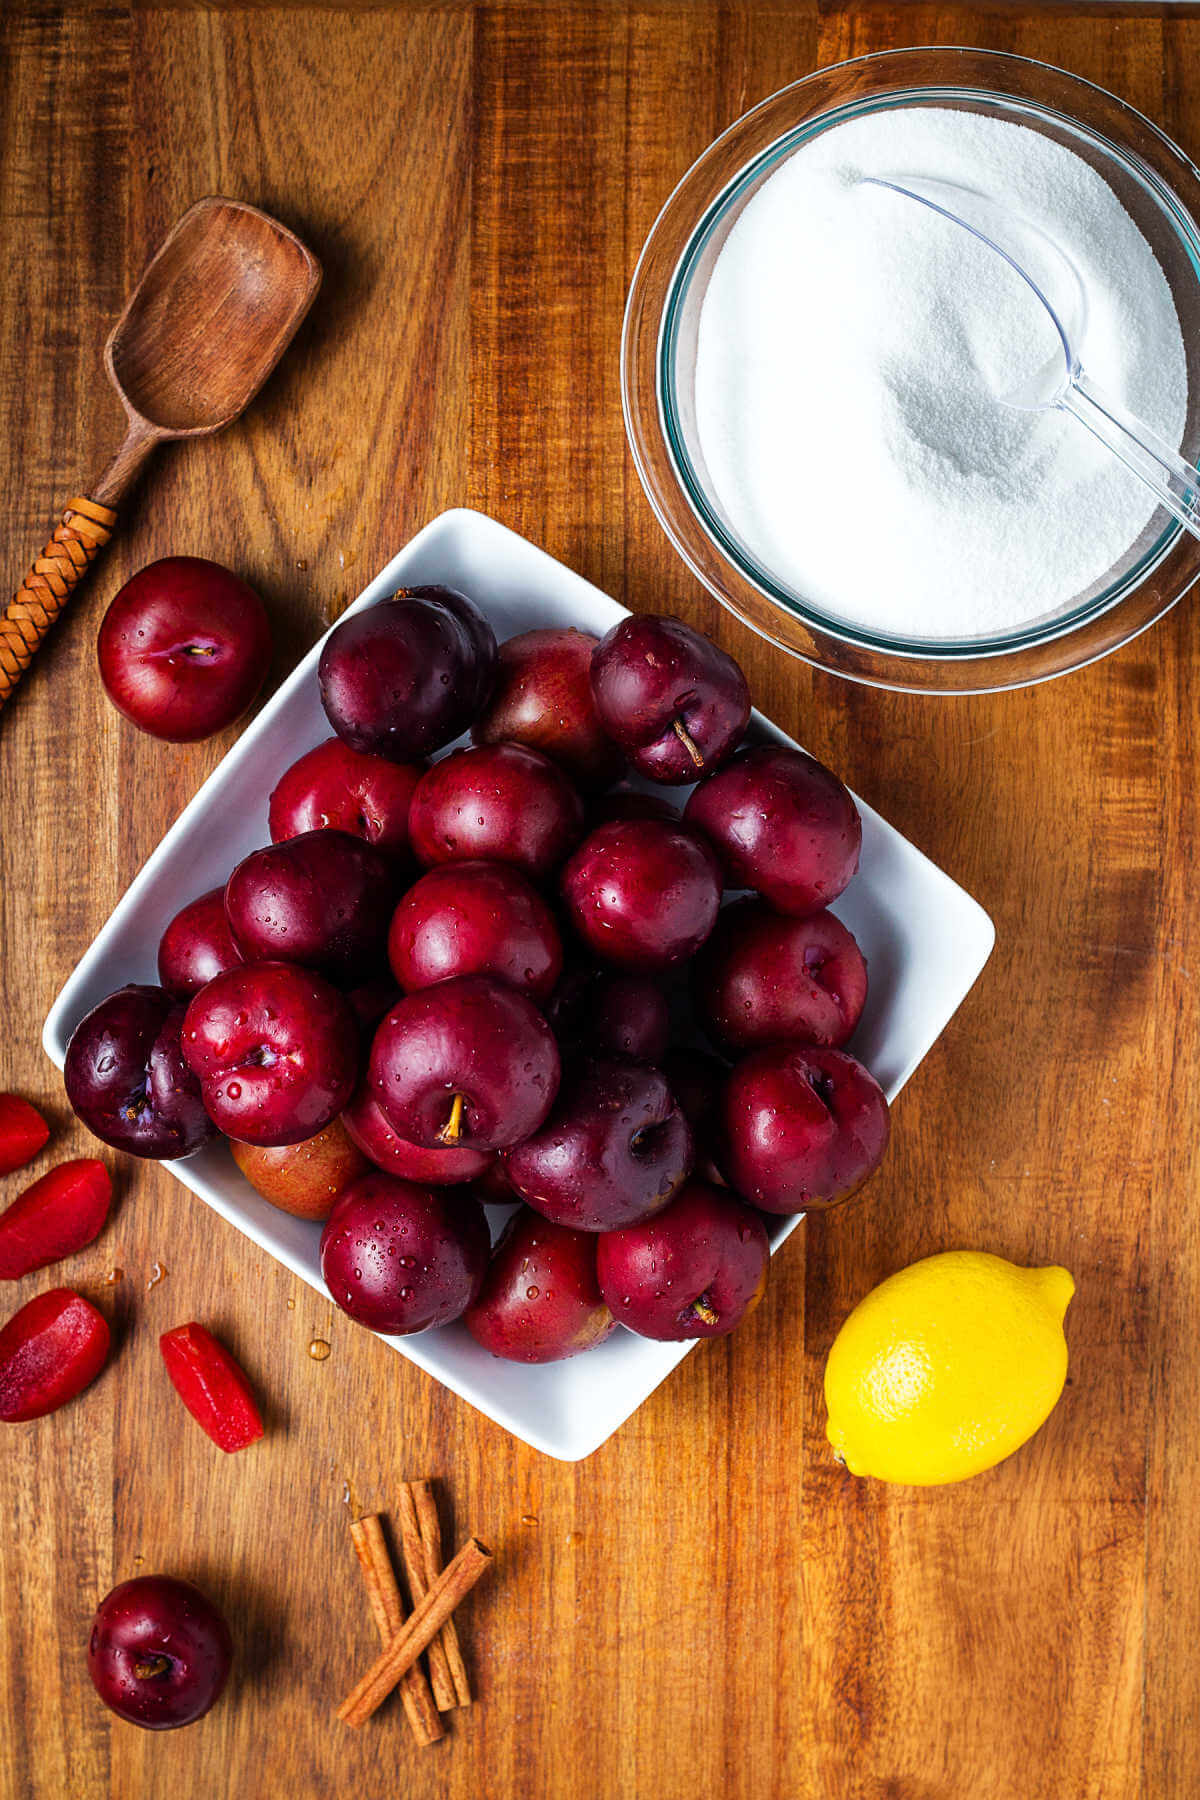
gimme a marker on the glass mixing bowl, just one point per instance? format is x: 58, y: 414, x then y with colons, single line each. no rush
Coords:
x: 1157, y: 185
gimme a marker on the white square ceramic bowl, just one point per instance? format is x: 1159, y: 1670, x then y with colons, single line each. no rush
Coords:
x: 924, y: 938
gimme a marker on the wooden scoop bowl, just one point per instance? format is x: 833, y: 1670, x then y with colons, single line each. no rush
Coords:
x: 205, y: 326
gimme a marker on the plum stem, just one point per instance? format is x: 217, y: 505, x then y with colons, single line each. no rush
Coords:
x: 689, y: 743
x: 452, y: 1130
x: 149, y: 1668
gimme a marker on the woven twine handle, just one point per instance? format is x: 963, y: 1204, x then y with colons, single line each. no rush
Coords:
x: 85, y: 529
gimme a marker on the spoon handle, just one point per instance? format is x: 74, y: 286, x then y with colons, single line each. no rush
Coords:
x: 82, y: 532
x: 1167, y: 474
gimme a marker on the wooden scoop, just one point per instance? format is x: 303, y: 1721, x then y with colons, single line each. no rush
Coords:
x: 210, y: 318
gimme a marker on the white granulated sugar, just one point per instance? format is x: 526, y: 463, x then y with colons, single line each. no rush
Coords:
x: 852, y: 347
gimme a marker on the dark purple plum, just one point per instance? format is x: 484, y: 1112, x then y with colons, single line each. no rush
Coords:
x: 197, y: 945
x: 642, y: 894
x: 763, y: 978
x: 614, y: 1149
x: 127, y: 1079
x: 503, y: 802
x: 675, y: 703
x: 159, y: 1653
x: 404, y: 677
x: 801, y: 1128
x: 323, y: 900
x: 475, y: 918
x: 401, y: 1258
x: 781, y: 823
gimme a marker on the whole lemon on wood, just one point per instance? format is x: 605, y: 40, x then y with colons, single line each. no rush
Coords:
x: 947, y: 1367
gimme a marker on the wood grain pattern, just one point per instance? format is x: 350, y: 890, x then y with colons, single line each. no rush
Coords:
x: 709, y: 1605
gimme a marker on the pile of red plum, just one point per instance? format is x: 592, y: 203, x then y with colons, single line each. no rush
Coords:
x: 479, y: 979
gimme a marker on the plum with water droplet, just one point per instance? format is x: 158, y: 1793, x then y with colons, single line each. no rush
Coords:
x: 800, y: 1128
x: 676, y: 704
x: 540, y: 1300
x: 127, y: 1078
x: 694, y: 1270
x: 763, y: 978
x: 614, y: 1149
x: 402, y: 1258
x: 276, y: 1049
x: 404, y: 677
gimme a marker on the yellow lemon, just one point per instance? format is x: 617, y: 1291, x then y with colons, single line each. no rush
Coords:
x: 947, y: 1367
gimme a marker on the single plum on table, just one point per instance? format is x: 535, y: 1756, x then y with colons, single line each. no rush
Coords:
x: 801, y: 1128
x: 275, y: 1049
x: 694, y: 1270
x: 540, y: 1300
x: 676, y: 704
x: 781, y: 823
x: 402, y: 1258
x: 127, y: 1078
x: 184, y: 647
x: 159, y: 1652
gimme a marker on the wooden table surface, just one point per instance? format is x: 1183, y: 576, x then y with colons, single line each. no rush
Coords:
x: 710, y: 1605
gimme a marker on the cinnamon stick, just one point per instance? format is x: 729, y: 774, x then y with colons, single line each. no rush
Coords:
x: 416, y: 1567
x: 387, y: 1610
x: 426, y: 1620
x: 431, y: 1537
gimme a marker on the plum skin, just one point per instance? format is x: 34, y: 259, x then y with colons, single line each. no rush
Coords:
x: 781, y: 823
x: 613, y: 1150
x: 127, y: 1077
x: 642, y: 894
x: 471, y: 1039
x: 400, y: 1258
x: 502, y: 802
x: 367, y: 1125
x: 763, y: 978
x: 801, y: 1128
x: 676, y: 703
x: 196, y: 945
x: 152, y: 1619
x: 475, y: 918
x: 323, y: 899
x: 303, y: 1179
x: 543, y: 698
x: 693, y: 1270
x: 276, y: 1051
x: 183, y: 648
x: 540, y: 1301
